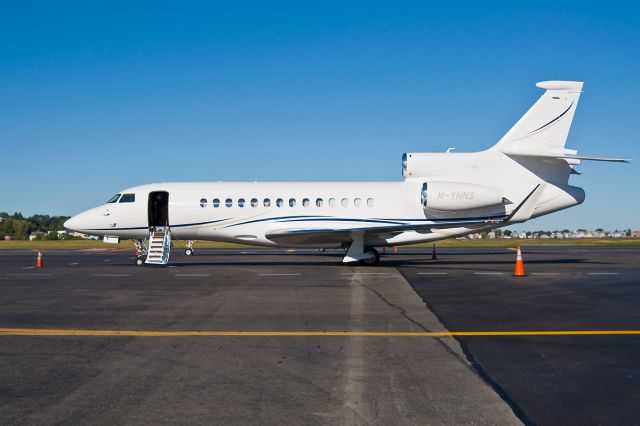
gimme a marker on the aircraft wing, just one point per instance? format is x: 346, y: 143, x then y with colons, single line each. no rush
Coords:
x: 344, y: 235
x: 382, y: 232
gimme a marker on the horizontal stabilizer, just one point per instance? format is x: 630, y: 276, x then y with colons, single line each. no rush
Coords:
x: 562, y: 156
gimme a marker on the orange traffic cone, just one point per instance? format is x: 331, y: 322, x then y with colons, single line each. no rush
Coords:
x: 39, y: 263
x: 434, y: 256
x: 519, y: 272
x: 395, y: 249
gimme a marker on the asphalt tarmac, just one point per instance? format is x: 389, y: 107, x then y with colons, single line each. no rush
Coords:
x: 262, y: 336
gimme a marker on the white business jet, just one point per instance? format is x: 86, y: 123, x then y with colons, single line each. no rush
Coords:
x: 443, y: 195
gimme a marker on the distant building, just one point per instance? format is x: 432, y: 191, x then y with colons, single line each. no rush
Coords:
x: 35, y: 235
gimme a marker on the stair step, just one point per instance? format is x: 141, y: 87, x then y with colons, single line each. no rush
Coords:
x: 159, y: 246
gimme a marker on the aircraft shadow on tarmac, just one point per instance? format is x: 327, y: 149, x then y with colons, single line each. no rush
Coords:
x: 327, y: 259
x: 410, y: 262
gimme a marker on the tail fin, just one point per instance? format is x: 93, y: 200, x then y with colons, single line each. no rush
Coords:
x: 544, y: 128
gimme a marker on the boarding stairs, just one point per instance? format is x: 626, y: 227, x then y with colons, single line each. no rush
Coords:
x: 159, y: 246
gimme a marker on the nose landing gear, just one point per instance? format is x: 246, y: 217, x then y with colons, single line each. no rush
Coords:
x: 141, y: 252
x: 189, y: 251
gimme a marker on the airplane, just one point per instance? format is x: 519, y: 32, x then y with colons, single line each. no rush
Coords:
x: 443, y: 195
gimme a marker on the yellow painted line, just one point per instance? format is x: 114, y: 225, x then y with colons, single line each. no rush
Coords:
x: 142, y: 333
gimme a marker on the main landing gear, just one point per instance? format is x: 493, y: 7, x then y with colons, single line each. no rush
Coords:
x: 357, y: 254
x: 372, y: 257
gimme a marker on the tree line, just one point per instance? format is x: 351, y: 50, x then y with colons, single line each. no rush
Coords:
x: 20, y: 227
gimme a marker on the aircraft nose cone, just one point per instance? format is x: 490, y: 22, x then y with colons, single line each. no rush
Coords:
x: 71, y: 224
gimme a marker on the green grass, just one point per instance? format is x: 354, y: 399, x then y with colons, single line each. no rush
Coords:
x: 582, y: 242
x: 128, y: 245
x: 89, y: 244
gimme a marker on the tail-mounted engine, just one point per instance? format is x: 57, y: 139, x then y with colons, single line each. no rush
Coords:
x: 456, y: 196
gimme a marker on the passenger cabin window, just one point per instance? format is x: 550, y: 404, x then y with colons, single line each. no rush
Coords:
x: 128, y: 198
x: 203, y: 202
x: 254, y: 202
x: 292, y: 202
x: 228, y: 202
x: 216, y: 202
x: 319, y: 202
x: 114, y: 199
x: 279, y: 202
x: 369, y: 202
x: 305, y: 202
x: 357, y: 202
x: 241, y: 202
x: 332, y: 202
x: 345, y: 202
x: 266, y: 202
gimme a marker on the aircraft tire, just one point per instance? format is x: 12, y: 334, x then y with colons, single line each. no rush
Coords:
x: 371, y: 262
x: 140, y: 261
x: 189, y: 252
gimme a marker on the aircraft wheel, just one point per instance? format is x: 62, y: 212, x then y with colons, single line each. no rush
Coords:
x: 371, y: 261
x: 139, y: 261
x: 189, y: 252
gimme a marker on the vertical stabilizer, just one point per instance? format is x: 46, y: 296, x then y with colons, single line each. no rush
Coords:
x: 544, y: 128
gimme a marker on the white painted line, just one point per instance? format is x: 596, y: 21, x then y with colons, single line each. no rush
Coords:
x: 73, y: 263
x: 107, y: 260
x: 545, y: 273
x: 29, y: 275
x: 28, y: 267
x: 247, y: 252
x: 489, y: 273
x: 192, y: 275
x: 276, y: 275
x: 110, y: 275
x: 367, y: 273
x: 432, y: 273
x: 604, y: 273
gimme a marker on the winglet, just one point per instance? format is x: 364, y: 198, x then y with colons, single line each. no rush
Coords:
x: 525, y: 209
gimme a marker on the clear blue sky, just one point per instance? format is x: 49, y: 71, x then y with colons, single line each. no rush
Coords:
x: 94, y: 96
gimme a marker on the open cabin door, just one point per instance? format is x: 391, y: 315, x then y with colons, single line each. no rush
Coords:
x: 159, y: 232
x: 158, y: 209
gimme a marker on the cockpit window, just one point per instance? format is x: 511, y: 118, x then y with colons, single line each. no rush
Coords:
x: 128, y: 198
x: 114, y: 199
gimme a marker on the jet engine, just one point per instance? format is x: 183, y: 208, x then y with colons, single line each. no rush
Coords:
x: 447, y: 196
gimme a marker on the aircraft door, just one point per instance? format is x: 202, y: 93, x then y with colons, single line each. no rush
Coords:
x: 158, y: 209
